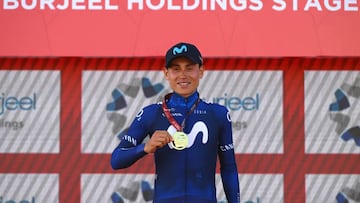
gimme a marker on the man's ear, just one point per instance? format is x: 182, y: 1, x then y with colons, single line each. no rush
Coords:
x: 202, y: 69
x: 166, y: 71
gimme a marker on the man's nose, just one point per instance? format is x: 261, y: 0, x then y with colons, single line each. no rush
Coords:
x: 183, y: 72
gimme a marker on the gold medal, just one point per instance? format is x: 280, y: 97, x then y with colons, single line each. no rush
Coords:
x: 181, y: 140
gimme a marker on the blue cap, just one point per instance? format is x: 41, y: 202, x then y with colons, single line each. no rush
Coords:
x: 183, y: 49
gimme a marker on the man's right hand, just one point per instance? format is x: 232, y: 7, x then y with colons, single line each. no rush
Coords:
x: 158, y: 139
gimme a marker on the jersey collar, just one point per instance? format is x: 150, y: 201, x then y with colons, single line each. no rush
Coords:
x: 177, y: 100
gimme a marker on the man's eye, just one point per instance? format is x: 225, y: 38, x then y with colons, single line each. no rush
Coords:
x: 190, y: 67
x: 173, y: 67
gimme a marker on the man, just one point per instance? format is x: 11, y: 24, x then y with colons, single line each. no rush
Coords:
x: 187, y: 135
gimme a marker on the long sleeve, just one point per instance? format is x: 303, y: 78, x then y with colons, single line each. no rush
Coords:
x: 131, y: 147
x: 230, y: 180
x: 228, y: 167
x: 125, y: 157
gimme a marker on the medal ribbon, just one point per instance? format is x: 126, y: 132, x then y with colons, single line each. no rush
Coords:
x: 171, y: 119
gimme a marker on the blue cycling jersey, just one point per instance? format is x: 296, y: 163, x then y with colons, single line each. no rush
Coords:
x: 188, y: 175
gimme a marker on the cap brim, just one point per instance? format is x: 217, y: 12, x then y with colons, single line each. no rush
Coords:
x: 178, y: 56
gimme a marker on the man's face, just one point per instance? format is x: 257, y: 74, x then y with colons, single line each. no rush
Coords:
x: 184, y: 76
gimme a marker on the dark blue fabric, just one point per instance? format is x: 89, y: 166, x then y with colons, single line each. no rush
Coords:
x: 187, y: 175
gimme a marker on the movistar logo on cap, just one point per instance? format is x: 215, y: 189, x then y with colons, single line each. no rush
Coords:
x: 180, y: 50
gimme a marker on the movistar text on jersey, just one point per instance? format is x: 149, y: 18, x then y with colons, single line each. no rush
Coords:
x: 182, y: 5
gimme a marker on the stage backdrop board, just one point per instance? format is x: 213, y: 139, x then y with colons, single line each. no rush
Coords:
x: 254, y: 100
x: 295, y: 127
